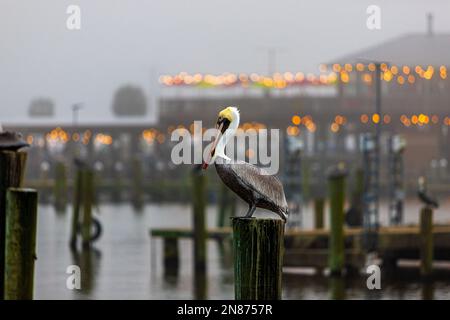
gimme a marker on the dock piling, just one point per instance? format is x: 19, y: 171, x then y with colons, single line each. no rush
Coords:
x: 60, y: 187
x: 426, y: 240
x: 199, y: 223
x: 171, y: 256
x: 258, y: 258
x: 12, y: 169
x: 77, y: 200
x: 21, y: 218
x: 137, y: 196
x: 336, y: 187
x: 88, y: 180
x: 319, y: 206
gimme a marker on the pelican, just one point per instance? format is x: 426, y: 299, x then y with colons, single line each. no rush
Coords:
x: 252, y: 184
x: 11, y: 141
x: 423, y: 196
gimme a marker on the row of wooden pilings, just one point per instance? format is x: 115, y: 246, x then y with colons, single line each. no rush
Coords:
x: 258, y: 244
x: 18, y: 223
x: 61, y: 186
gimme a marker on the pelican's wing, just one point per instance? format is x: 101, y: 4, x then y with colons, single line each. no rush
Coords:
x: 259, y: 180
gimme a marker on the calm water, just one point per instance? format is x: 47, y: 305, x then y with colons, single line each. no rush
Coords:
x: 126, y: 262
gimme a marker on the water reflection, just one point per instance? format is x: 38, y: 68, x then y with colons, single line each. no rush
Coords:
x: 88, y: 259
x: 337, y: 288
x: 127, y: 264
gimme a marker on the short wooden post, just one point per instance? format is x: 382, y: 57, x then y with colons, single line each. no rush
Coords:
x: 258, y: 258
x: 171, y: 256
x: 77, y: 200
x: 12, y: 169
x: 336, y: 187
x: 137, y: 197
x: 199, y: 223
x: 319, y: 206
x: 60, y: 187
x: 21, y: 217
x: 426, y: 239
x: 88, y: 179
x: 223, y: 205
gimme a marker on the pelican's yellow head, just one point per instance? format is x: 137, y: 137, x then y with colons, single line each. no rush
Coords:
x: 228, y: 119
x: 228, y: 113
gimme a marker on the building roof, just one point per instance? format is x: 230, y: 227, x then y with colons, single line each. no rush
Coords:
x: 409, y: 49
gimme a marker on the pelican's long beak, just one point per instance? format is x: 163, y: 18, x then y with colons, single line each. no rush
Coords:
x: 219, y: 128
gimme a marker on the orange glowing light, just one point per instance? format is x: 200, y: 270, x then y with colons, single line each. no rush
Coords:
x: 296, y: 120
x: 406, y: 70
x: 375, y: 118
x: 345, y: 77
x: 435, y: 119
x: 334, y: 127
x: 364, y: 118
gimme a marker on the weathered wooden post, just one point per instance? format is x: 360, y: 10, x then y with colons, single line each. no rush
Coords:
x: 60, y: 187
x: 319, y: 206
x: 12, y: 169
x: 199, y: 223
x: 137, y: 197
x: 258, y: 258
x: 88, y: 179
x: 171, y: 256
x: 77, y: 200
x: 426, y: 239
x: 21, y: 218
x: 336, y: 187
x: 223, y: 205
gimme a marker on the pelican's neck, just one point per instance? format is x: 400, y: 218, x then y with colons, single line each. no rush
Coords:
x: 227, y: 136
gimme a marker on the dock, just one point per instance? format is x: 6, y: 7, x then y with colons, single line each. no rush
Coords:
x: 309, y: 248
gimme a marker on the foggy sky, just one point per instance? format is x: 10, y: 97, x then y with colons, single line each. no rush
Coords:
x: 133, y: 41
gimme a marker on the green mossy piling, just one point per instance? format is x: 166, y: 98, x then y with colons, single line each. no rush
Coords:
x: 60, y: 187
x: 88, y: 192
x: 171, y: 256
x: 137, y: 194
x: 12, y: 170
x: 319, y: 206
x: 21, y: 220
x: 82, y: 200
x: 426, y: 241
x: 336, y: 185
x: 200, y: 236
x: 76, y: 204
x: 258, y: 258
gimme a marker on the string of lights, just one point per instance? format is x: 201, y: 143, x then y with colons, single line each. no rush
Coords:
x: 329, y: 75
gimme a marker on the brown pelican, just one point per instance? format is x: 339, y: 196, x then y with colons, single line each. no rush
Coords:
x: 254, y: 185
x: 11, y: 141
x: 424, y: 196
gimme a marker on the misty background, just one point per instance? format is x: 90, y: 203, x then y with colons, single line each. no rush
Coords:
x: 134, y: 41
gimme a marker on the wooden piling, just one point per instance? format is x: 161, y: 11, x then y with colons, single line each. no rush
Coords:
x: 319, y: 206
x: 258, y: 258
x: 426, y: 240
x: 76, y: 204
x: 171, y: 256
x: 137, y: 197
x: 199, y: 223
x: 88, y: 179
x: 336, y: 187
x: 222, y: 204
x: 60, y: 187
x: 21, y: 218
x: 12, y: 170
